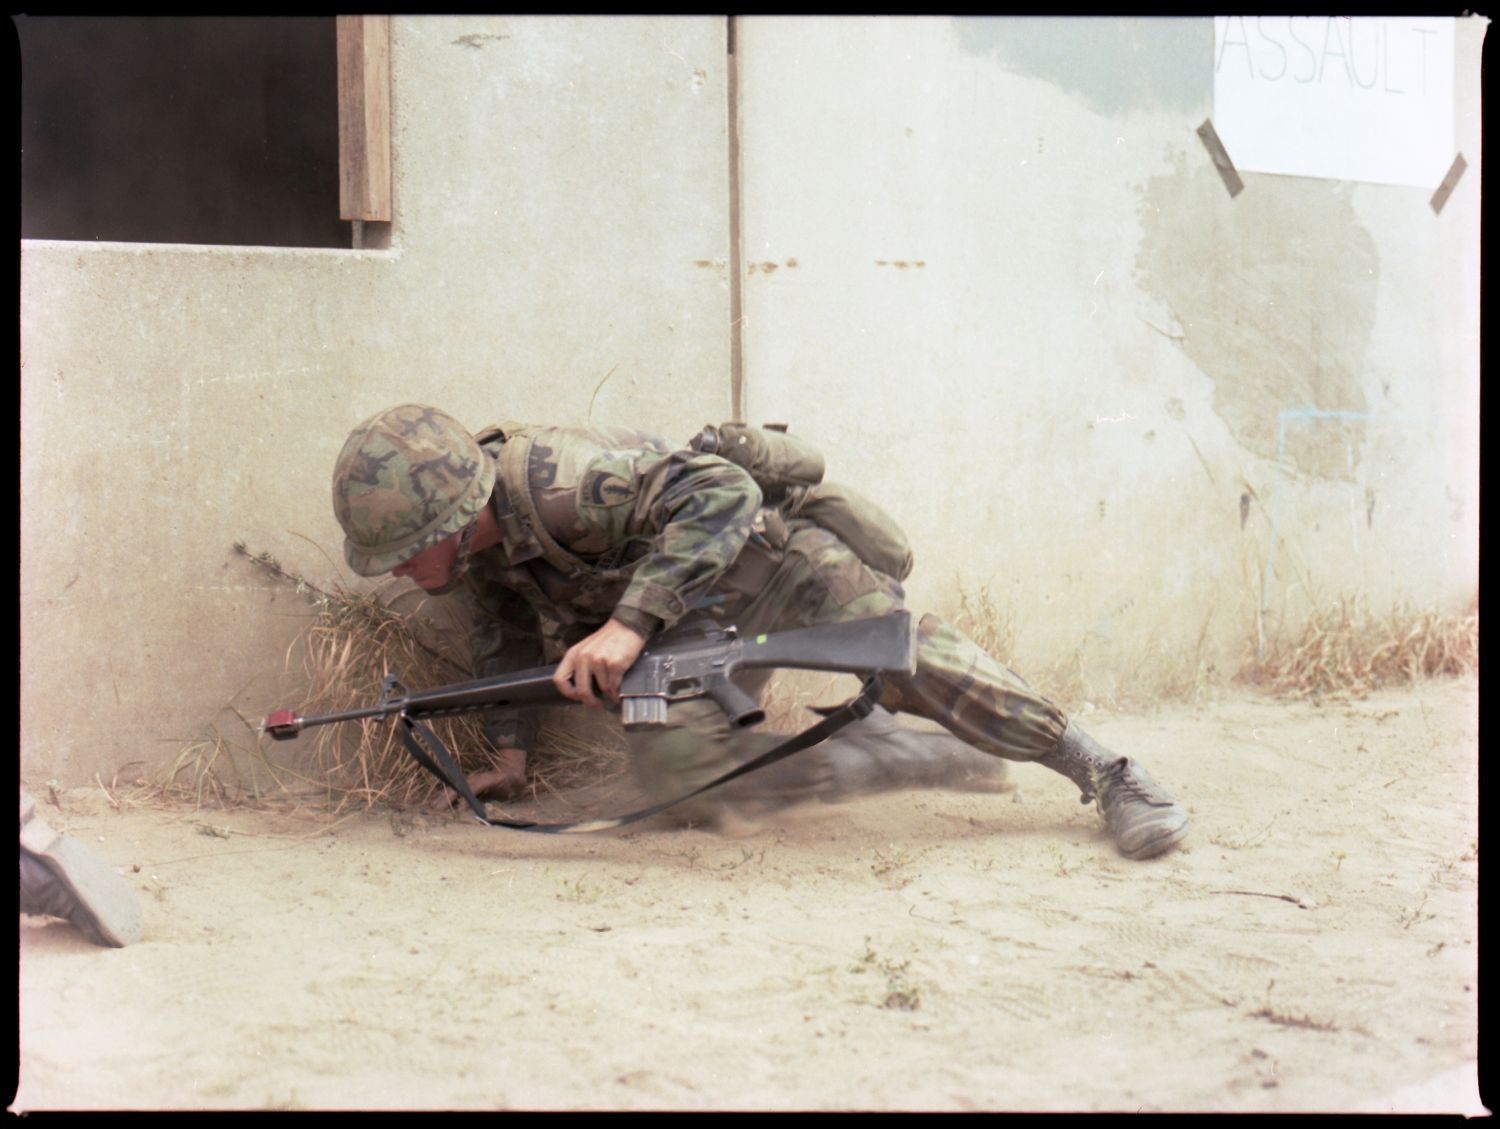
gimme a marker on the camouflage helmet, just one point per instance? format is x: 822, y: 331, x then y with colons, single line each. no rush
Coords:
x: 406, y: 478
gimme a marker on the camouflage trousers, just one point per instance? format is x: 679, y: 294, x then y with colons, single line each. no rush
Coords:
x: 821, y: 580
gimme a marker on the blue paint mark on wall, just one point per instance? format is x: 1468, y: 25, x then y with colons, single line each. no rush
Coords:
x: 1115, y: 63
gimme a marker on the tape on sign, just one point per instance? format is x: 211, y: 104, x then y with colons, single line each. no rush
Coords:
x: 1216, y: 152
x: 1444, y: 190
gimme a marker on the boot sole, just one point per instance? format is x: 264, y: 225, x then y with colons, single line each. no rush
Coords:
x: 1159, y: 845
x: 105, y: 896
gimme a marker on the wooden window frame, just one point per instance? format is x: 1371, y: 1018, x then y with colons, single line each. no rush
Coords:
x: 364, y: 69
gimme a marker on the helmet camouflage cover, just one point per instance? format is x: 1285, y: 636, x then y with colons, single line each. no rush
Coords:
x: 406, y: 478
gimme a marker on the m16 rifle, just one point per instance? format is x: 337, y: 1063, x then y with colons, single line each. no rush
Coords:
x: 692, y: 661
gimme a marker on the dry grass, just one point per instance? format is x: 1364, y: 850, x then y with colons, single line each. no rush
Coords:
x: 1345, y: 650
x: 1178, y: 674
x: 569, y: 758
x: 791, y: 696
x: 986, y: 622
x: 219, y: 771
x: 354, y: 641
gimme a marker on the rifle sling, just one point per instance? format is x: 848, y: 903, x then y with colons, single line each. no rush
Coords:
x: 435, y: 759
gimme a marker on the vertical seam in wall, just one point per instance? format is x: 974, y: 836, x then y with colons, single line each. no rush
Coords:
x: 736, y: 319
x: 1282, y: 417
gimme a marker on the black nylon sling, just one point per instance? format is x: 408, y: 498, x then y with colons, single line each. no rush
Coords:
x: 436, y: 759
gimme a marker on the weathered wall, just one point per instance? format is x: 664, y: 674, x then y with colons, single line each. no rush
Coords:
x: 558, y: 183
x: 986, y: 264
x: 990, y: 265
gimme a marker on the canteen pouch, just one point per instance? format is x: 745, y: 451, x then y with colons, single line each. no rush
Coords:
x: 777, y: 461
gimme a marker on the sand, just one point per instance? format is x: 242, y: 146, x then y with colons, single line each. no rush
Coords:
x: 1314, y: 946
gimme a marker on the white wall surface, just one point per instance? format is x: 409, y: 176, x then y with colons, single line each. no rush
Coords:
x: 987, y: 264
x: 558, y: 183
x: 991, y: 266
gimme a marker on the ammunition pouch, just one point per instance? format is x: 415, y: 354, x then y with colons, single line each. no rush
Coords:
x: 789, y: 473
x: 758, y: 561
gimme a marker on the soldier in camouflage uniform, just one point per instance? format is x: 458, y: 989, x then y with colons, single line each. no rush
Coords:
x: 582, y: 544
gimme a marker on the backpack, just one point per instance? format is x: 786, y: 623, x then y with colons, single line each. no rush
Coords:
x: 789, y: 473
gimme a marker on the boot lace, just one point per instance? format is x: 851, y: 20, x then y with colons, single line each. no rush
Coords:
x: 1118, y: 783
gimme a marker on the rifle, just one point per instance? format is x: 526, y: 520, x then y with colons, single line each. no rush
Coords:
x: 693, y: 661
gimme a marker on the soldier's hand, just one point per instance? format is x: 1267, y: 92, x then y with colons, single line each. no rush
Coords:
x: 597, y: 665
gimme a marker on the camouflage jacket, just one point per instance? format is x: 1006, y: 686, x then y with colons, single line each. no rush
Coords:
x: 645, y: 534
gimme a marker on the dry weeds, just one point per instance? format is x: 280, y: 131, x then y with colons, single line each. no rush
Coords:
x: 219, y: 771
x: 355, y: 640
x: 986, y: 622
x: 567, y: 760
x: 1343, y: 649
x: 1346, y: 650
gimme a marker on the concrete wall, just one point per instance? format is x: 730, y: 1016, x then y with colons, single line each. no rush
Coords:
x: 558, y: 184
x: 991, y: 267
x: 999, y: 281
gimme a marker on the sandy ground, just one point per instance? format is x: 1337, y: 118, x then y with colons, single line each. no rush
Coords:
x: 1315, y: 947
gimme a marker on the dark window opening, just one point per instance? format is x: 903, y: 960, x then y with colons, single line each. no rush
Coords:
x: 181, y: 130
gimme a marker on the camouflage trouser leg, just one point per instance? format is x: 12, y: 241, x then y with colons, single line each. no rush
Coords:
x: 972, y: 696
x: 955, y: 684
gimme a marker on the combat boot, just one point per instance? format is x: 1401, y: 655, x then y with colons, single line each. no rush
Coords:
x: 1141, y: 818
x: 61, y: 878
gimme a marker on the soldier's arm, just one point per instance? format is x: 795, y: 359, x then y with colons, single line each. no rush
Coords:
x: 697, y: 512
x: 506, y: 637
x: 694, y: 512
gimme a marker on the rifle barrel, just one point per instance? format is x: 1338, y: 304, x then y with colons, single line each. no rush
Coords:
x: 523, y: 688
x: 283, y: 725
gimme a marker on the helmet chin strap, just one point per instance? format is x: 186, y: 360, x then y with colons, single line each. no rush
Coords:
x: 460, y: 563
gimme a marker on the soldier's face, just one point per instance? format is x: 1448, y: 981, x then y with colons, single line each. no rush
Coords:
x: 431, y: 568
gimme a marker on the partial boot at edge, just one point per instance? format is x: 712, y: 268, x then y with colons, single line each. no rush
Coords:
x: 60, y: 877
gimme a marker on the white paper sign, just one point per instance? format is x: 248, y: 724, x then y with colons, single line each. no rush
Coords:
x: 1350, y: 98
